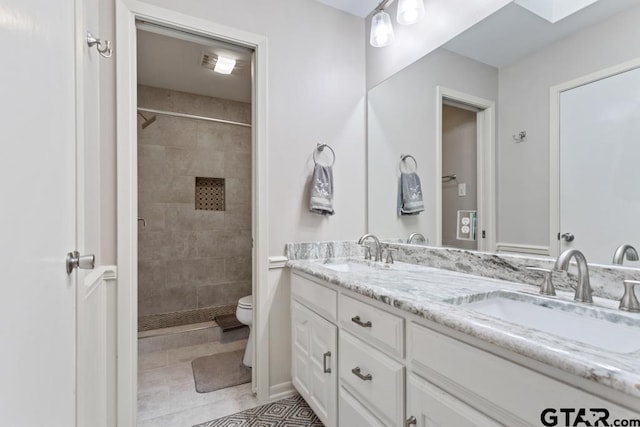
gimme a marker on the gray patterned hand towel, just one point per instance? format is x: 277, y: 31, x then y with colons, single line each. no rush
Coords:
x: 409, y: 194
x: 322, y: 190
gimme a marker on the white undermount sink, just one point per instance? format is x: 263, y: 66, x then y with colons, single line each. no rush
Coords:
x: 617, y: 333
x: 347, y: 267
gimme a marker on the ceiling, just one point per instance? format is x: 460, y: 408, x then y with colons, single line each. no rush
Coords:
x: 361, y: 8
x: 514, y: 32
x: 175, y: 63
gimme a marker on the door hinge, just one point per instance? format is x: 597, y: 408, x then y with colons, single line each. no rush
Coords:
x: 558, y: 235
x: 484, y: 234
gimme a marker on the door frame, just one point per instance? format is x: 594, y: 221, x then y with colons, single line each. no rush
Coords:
x: 554, y: 142
x: 127, y: 11
x: 486, y: 148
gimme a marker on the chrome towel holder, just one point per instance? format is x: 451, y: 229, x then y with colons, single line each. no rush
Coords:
x: 403, y: 159
x: 319, y: 149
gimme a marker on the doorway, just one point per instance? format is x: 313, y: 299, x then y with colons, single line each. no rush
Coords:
x: 465, y: 170
x: 129, y: 219
x: 459, y: 176
x: 195, y: 232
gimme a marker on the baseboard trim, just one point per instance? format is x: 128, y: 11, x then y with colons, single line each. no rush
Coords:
x: 522, y: 249
x: 281, y: 391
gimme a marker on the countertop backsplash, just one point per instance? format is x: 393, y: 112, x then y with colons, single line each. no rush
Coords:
x: 606, y: 281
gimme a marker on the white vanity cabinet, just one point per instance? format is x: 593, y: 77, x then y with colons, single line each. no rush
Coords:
x: 428, y: 405
x: 313, y: 363
x: 392, y: 368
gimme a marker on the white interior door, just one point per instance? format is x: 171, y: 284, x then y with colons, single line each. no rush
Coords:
x: 599, y: 152
x: 38, y: 214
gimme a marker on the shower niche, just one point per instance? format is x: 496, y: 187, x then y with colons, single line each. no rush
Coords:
x: 210, y: 194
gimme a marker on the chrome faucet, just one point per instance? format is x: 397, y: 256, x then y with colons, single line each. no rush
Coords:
x: 378, y: 256
x: 413, y: 236
x: 629, y: 251
x: 583, y: 290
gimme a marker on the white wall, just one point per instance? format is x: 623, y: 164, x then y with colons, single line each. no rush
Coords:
x: 316, y: 93
x: 443, y: 21
x: 523, y: 168
x: 402, y: 120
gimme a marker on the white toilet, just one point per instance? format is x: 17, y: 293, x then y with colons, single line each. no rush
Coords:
x: 244, y: 313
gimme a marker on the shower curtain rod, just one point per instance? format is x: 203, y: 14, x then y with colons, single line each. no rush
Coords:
x: 191, y: 116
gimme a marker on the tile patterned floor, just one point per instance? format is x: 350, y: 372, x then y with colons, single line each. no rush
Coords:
x: 289, y: 412
x: 167, y: 394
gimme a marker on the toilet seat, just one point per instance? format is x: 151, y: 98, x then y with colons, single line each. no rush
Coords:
x: 246, y: 302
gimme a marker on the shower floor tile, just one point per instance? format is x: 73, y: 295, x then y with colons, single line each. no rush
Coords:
x: 166, y: 388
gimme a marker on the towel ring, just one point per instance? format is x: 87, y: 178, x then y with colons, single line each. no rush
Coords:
x: 320, y: 148
x: 404, y: 157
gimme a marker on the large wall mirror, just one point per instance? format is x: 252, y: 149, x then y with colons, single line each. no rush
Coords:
x: 525, y: 135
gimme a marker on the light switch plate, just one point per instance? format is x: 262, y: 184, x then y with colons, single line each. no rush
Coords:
x: 462, y: 189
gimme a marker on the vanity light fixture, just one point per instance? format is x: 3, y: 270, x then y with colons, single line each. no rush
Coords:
x: 224, y: 65
x: 409, y: 12
x: 381, y: 30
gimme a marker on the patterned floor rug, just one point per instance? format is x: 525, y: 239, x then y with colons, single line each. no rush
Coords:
x: 290, y: 412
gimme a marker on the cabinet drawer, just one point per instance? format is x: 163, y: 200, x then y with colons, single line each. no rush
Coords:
x: 511, y: 393
x: 352, y: 413
x: 320, y: 299
x: 375, y: 326
x: 376, y: 379
x: 432, y: 406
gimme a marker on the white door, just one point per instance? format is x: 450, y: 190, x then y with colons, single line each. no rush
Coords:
x: 38, y: 213
x: 314, y: 367
x: 430, y: 406
x: 599, y: 152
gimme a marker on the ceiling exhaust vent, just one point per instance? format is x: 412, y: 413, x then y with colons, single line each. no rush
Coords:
x: 209, y: 60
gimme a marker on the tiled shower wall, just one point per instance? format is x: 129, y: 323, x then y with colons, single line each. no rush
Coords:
x: 192, y: 258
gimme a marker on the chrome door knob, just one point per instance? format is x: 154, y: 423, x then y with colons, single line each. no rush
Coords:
x: 85, y: 262
x: 568, y: 237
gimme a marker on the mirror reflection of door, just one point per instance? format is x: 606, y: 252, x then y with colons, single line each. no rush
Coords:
x: 459, y: 159
x: 599, y: 165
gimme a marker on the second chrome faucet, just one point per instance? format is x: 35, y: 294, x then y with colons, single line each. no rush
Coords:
x: 376, y: 241
x: 583, y: 290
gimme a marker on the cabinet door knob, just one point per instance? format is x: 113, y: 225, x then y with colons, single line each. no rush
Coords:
x: 359, y: 322
x: 327, y: 370
x: 411, y: 421
x: 356, y: 371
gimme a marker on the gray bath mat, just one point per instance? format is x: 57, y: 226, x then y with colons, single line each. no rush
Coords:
x: 228, y: 322
x: 289, y: 412
x: 220, y: 370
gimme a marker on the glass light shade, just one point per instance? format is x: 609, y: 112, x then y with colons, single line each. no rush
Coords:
x: 381, y: 30
x: 410, y: 11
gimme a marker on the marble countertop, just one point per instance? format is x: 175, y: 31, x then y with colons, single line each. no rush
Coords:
x: 437, y: 294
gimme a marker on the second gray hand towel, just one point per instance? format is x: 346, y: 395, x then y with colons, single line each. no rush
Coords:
x: 409, y: 194
x: 322, y: 190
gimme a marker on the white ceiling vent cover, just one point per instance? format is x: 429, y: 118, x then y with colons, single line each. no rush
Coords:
x: 208, y: 61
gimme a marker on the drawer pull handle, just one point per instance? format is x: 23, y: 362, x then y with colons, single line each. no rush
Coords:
x: 324, y: 362
x: 359, y: 322
x: 356, y: 371
x: 411, y: 421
